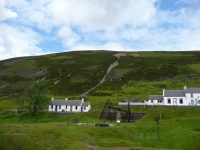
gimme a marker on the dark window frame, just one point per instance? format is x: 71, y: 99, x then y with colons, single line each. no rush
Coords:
x: 169, y: 101
x: 181, y: 100
x: 191, y: 95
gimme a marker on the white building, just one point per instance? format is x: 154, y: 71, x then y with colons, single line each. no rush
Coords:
x: 185, y: 97
x: 69, y: 105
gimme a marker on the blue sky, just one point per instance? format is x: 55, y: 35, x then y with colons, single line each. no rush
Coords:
x: 35, y: 27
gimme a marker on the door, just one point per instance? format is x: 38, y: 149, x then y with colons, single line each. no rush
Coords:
x: 81, y: 109
x: 56, y: 108
x: 192, y: 102
x: 175, y: 101
x: 70, y: 108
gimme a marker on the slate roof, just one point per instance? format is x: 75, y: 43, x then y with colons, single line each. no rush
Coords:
x: 85, y: 104
x: 66, y: 102
x: 174, y: 93
x: 157, y: 97
x: 74, y: 102
x: 58, y: 102
x: 133, y: 100
x: 192, y: 90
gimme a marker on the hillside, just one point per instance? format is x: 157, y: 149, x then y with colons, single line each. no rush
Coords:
x: 101, y: 75
x: 73, y: 73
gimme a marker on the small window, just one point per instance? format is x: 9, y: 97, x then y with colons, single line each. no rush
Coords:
x: 51, y: 106
x: 151, y: 101
x: 66, y: 106
x: 198, y: 101
x: 169, y: 100
x: 84, y: 108
x: 181, y: 101
x: 76, y: 107
x: 59, y: 106
x: 191, y: 94
x: 159, y: 101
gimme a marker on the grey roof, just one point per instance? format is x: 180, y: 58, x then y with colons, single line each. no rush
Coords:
x: 192, y: 90
x: 74, y: 102
x: 156, y: 97
x: 174, y: 93
x: 133, y: 100
x: 66, y: 102
x: 58, y: 102
x: 86, y: 104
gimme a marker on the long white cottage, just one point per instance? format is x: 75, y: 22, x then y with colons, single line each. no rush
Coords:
x: 57, y: 105
x: 185, y: 97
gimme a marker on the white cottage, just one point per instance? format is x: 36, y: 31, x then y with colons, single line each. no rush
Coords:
x: 69, y: 105
x: 185, y: 97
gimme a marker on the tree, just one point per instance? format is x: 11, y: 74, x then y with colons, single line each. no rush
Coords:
x: 33, y: 98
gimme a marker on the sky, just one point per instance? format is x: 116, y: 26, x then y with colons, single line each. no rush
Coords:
x: 37, y: 27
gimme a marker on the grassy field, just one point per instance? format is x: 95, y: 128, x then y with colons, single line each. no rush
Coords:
x: 179, y: 129
x: 73, y: 73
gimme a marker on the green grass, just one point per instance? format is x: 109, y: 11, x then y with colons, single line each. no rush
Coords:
x: 47, y: 130
x: 80, y: 71
x: 120, y: 72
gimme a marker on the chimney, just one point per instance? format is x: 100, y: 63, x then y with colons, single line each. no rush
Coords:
x: 82, y: 100
x: 185, y: 87
x: 66, y: 99
x: 52, y: 98
x: 163, y: 92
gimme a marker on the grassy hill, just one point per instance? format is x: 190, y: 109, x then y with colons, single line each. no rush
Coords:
x: 73, y: 73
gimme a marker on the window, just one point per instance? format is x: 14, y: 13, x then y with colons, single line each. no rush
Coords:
x: 84, y: 108
x: 198, y: 101
x: 191, y: 94
x: 159, y: 101
x: 76, y: 107
x: 59, y: 106
x: 169, y: 100
x: 51, y: 106
x: 66, y: 106
x: 151, y: 101
x: 181, y: 101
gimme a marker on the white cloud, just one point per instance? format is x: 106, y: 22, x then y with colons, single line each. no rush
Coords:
x: 18, y: 41
x: 97, y: 24
x: 6, y: 13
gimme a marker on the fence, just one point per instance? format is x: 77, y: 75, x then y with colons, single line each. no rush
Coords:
x: 117, y: 129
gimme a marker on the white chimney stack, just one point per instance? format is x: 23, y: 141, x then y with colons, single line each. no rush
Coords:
x: 163, y: 92
x: 185, y: 87
x: 66, y: 99
x: 83, y: 100
x: 52, y: 98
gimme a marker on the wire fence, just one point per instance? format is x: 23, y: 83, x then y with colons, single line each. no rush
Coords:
x: 118, y: 130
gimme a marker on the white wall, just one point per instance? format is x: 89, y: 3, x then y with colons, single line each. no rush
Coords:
x: 195, y: 98
x: 175, y: 101
x: 68, y: 109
